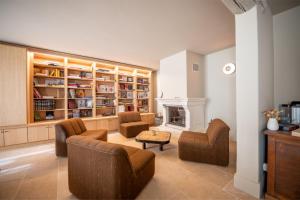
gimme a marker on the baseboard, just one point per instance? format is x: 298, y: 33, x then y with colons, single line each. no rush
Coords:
x: 248, y: 186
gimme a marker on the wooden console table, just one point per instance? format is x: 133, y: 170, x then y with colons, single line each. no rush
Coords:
x: 283, y: 174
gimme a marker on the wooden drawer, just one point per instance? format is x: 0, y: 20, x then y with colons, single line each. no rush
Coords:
x: 91, y: 125
x: 148, y: 118
x: 1, y: 139
x: 113, y: 124
x: 15, y: 136
x: 51, y: 133
x: 37, y: 133
x: 102, y: 124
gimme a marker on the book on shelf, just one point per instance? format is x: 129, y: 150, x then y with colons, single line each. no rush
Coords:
x: 103, y: 70
x: 56, y: 73
x: 105, y: 88
x: 130, y: 95
x: 89, y: 103
x: 49, y: 115
x: 48, y: 97
x: 296, y: 132
x: 36, y: 93
x: 81, y: 103
x: 79, y: 93
x: 71, y: 104
x: 72, y: 93
x: 88, y: 75
x: 76, y: 113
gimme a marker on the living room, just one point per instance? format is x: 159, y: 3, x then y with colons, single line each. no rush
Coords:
x: 149, y: 99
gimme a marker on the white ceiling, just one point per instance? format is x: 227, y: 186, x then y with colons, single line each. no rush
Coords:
x: 139, y: 32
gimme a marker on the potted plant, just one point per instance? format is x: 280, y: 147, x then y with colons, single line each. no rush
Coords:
x: 273, y: 117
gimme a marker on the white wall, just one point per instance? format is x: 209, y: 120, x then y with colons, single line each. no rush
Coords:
x: 172, y: 76
x: 220, y: 89
x: 254, y: 93
x: 287, y: 56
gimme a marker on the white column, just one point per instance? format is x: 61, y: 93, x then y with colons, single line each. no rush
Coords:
x: 254, y: 94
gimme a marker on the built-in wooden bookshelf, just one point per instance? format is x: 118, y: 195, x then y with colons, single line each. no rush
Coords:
x: 65, y: 87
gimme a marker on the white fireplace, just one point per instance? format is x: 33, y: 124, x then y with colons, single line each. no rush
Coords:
x: 192, y: 108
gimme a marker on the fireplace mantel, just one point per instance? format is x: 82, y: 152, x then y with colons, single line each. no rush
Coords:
x: 180, y: 100
x: 194, y: 110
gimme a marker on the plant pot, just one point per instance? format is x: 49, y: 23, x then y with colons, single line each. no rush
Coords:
x: 273, y: 124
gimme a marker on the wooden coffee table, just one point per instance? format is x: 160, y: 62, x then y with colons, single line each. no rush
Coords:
x: 154, y: 137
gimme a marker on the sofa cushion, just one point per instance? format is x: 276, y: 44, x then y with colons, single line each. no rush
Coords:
x: 125, y: 117
x: 138, y: 158
x: 81, y: 124
x: 129, y: 124
x: 132, y: 129
x: 100, y: 134
x: 193, y: 139
x: 67, y: 127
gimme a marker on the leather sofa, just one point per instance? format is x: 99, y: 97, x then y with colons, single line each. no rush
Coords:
x: 131, y: 124
x: 101, y: 170
x: 212, y: 147
x: 70, y: 127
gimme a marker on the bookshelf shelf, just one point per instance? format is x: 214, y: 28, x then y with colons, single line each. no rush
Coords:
x: 81, y: 79
x: 46, y: 86
x: 41, y: 65
x: 78, y: 88
x: 48, y: 98
x: 106, y: 89
x: 42, y: 76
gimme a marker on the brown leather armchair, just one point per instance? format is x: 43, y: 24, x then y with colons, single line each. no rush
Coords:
x: 70, y: 127
x: 131, y: 124
x: 212, y: 147
x: 101, y: 170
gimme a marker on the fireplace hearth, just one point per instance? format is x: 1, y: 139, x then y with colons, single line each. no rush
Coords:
x: 176, y: 115
x: 183, y: 113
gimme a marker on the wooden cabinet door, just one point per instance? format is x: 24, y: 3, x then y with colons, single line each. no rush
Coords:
x: 90, y: 125
x: 37, y: 133
x: 15, y: 136
x: 51, y: 132
x: 113, y: 124
x: 12, y: 85
x: 1, y: 138
x: 102, y: 124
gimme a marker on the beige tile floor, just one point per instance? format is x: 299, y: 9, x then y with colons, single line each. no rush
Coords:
x: 34, y: 172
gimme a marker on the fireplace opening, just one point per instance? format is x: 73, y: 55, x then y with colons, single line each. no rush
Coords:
x: 176, y: 116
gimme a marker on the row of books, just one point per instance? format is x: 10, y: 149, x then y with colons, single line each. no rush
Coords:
x: 79, y: 85
x: 49, y: 72
x: 125, y: 86
x: 48, y: 104
x: 125, y: 78
x: 48, y: 82
x: 143, y: 87
x: 105, y: 78
x: 105, y: 88
x: 104, y: 102
x: 143, y: 102
x: 142, y: 80
x: 126, y: 95
x: 142, y: 95
x: 80, y: 103
x: 79, y: 93
x: 80, y: 113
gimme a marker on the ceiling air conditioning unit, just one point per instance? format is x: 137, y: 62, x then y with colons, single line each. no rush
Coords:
x: 240, y: 6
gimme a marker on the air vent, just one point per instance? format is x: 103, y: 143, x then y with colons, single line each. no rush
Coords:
x: 195, y: 67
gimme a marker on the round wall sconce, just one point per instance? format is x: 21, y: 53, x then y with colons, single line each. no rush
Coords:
x: 229, y: 68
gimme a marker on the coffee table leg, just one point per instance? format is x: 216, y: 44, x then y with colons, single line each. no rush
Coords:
x: 161, y: 148
x: 144, y: 145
